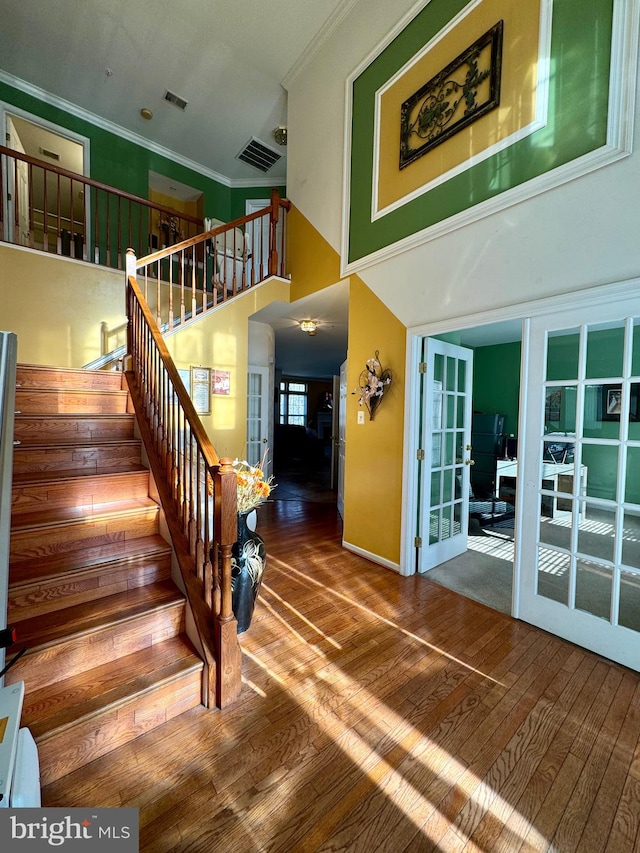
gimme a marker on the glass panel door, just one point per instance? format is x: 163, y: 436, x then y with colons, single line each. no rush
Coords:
x: 446, y: 419
x: 257, y: 420
x: 580, y: 546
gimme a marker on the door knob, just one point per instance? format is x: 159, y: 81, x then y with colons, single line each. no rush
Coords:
x: 469, y: 462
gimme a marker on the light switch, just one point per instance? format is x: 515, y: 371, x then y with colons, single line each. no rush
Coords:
x: 360, y: 417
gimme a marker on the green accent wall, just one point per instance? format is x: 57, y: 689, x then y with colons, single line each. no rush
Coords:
x: 577, y: 122
x: 496, y: 388
x: 496, y: 382
x: 126, y: 165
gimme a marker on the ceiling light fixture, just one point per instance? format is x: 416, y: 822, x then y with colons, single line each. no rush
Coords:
x: 309, y: 326
x: 146, y: 113
x: 280, y: 134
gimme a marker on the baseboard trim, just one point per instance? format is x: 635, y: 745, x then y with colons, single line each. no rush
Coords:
x: 374, y: 558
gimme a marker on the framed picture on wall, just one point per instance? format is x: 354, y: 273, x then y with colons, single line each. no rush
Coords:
x: 611, y: 402
x: 201, y: 389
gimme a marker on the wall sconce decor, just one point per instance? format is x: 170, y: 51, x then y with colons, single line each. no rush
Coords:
x: 309, y: 326
x: 373, y: 380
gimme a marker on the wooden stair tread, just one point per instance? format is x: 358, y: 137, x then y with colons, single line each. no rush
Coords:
x: 100, y: 690
x: 51, y: 565
x: 57, y: 516
x: 91, y: 616
x: 34, y: 477
x: 59, y: 417
x: 48, y: 376
x: 77, y: 447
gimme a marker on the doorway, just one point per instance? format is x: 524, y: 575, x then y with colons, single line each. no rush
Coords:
x: 485, y: 571
x: 43, y: 209
x: 573, y: 475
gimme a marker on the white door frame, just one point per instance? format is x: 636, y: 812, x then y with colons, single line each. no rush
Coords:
x: 601, y: 294
x: 9, y: 110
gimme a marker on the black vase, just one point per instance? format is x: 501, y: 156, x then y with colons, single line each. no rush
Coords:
x: 248, y: 557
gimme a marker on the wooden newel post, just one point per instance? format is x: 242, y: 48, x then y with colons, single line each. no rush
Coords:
x: 131, y: 265
x: 229, y: 656
x: 227, y: 530
x: 273, y: 229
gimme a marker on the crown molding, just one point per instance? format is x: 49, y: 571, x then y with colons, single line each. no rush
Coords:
x: 324, y: 34
x: 130, y: 136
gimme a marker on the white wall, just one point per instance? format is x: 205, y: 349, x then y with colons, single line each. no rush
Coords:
x: 578, y: 235
x: 315, y: 113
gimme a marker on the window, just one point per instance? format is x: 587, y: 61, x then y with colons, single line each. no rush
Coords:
x: 293, y: 402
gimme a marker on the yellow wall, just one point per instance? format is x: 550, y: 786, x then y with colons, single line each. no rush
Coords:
x: 311, y: 261
x: 56, y: 306
x: 373, y: 464
x: 373, y: 468
x: 220, y: 341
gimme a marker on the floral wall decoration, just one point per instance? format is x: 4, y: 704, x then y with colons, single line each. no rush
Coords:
x: 373, y: 381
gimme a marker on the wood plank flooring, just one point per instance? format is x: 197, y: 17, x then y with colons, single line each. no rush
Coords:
x: 382, y: 713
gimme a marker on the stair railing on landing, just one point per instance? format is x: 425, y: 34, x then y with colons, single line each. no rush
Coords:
x: 200, y: 273
x: 53, y: 210
x: 197, y: 491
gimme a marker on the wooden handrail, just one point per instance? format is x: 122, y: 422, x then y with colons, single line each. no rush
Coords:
x: 201, y: 272
x: 186, y: 468
x: 80, y: 217
x: 90, y: 182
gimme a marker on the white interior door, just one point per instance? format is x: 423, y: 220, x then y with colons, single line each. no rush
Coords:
x: 446, y: 447
x: 579, y: 483
x: 258, y: 438
x: 18, y: 190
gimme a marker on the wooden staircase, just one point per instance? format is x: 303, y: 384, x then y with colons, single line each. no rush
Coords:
x: 90, y: 588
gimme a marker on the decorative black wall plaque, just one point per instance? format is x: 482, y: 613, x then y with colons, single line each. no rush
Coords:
x: 448, y: 102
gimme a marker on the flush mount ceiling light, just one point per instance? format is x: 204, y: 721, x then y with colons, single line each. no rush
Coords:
x: 146, y: 113
x: 309, y: 326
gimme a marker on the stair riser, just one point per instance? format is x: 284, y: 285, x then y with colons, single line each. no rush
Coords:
x: 32, y: 401
x: 74, y: 493
x: 86, y: 430
x: 85, y: 460
x: 39, y: 667
x: 35, y: 376
x: 89, y: 533
x: 62, y: 752
x: 31, y: 600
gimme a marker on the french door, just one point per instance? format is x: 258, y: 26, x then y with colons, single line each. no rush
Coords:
x: 579, y: 480
x: 446, y: 452
x: 258, y: 416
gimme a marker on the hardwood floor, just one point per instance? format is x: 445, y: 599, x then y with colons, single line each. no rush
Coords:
x: 382, y: 713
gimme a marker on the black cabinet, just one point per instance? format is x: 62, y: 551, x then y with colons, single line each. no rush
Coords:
x: 487, y: 446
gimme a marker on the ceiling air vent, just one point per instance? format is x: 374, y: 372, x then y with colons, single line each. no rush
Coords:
x: 176, y: 100
x: 52, y: 154
x: 258, y: 155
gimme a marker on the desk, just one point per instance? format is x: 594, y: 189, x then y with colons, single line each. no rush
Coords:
x: 556, y: 477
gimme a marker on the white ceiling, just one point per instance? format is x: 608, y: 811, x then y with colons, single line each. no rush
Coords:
x: 227, y: 58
